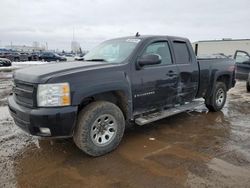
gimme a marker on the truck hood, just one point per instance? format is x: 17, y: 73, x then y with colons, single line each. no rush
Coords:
x: 41, y: 73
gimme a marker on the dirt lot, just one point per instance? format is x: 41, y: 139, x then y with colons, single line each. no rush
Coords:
x: 195, y: 149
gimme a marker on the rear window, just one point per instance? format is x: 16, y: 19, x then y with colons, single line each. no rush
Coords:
x: 181, y: 51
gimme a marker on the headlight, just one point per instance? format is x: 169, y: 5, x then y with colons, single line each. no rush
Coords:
x: 49, y: 95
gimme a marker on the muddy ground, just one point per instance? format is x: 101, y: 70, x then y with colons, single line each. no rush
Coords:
x: 194, y: 149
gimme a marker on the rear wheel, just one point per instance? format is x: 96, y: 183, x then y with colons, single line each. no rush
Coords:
x: 248, y: 86
x: 217, y: 101
x: 100, y: 127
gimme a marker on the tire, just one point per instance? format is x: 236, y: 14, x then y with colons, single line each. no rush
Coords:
x: 217, y: 101
x: 248, y: 86
x: 90, y: 134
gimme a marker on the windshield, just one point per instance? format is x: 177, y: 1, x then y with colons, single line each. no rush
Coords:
x: 112, y: 51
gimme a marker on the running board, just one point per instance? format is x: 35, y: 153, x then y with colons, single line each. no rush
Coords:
x: 166, y: 113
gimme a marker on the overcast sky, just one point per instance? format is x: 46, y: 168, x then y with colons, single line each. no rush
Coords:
x: 52, y: 21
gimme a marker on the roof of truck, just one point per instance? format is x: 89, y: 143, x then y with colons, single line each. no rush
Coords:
x: 154, y: 37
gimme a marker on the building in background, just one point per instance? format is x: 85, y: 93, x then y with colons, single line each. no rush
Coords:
x: 35, y: 44
x: 36, y: 47
x: 224, y: 46
x: 75, y: 47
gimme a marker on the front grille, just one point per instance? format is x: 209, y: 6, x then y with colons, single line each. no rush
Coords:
x: 24, y: 93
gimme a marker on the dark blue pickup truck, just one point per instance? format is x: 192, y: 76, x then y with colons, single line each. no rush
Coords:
x: 138, y: 79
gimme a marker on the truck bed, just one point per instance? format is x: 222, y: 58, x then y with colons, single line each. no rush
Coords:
x: 209, y: 67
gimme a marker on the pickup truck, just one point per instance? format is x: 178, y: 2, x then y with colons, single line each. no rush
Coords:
x: 124, y: 81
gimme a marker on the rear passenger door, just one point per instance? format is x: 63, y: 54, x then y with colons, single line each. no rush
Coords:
x: 188, y: 70
x: 155, y: 86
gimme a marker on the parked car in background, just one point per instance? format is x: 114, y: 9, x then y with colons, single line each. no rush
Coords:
x: 50, y: 56
x: 23, y: 56
x: 248, y: 83
x: 4, y: 62
x: 69, y: 55
x: 2, y: 55
x: 10, y: 55
x: 15, y: 56
x: 34, y: 56
x: 80, y: 57
x: 242, y: 64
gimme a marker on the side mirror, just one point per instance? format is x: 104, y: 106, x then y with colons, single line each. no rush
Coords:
x: 151, y: 59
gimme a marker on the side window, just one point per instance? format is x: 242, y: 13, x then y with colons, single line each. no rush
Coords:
x: 242, y: 57
x: 181, y: 52
x: 162, y: 49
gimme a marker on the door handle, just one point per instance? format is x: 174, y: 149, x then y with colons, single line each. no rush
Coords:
x: 171, y: 73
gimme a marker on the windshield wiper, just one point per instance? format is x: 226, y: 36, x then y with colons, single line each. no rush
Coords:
x: 96, y: 60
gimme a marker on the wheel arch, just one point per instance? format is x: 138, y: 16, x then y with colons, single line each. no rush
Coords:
x: 224, y: 77
x: 118, y: 96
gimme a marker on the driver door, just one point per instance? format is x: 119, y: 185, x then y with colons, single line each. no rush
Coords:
x: 155, y: 86
x: 242, y: 63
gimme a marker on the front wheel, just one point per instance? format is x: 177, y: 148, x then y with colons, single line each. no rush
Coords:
x: 100, y: 127
x: 218, y: 98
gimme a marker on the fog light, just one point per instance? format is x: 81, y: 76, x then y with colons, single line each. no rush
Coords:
x: 45, y: 131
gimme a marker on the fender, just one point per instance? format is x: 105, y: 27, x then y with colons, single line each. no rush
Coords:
x: 214, y: 77
x: 119, y: 81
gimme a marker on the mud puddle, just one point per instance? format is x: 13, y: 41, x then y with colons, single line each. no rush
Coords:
x: 195, y: 149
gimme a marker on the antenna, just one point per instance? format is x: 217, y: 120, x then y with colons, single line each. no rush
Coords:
x: 137, y: 34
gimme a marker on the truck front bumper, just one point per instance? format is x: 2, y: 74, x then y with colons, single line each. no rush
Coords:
x: 45, y: 122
